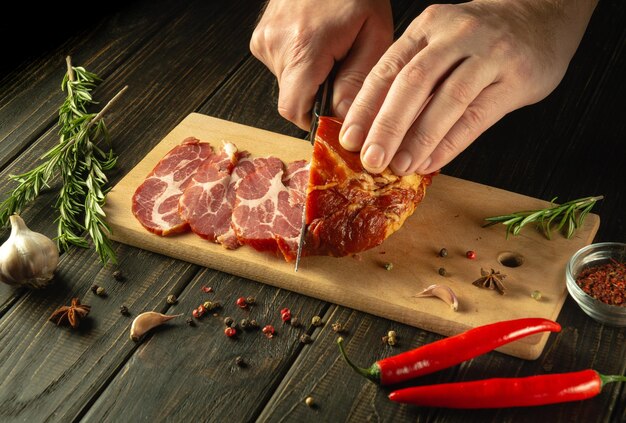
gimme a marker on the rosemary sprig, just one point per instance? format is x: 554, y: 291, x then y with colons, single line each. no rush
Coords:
x: 80, y: 162
x: 570, y: 216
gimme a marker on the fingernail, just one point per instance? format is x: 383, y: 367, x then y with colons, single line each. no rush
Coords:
x: 422, y: 168
x: 342, y: 108
x: 373, y: 156
x: 352, y: 137
x: 401, y: 161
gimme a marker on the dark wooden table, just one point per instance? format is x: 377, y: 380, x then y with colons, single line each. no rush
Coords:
x: 181, y: 57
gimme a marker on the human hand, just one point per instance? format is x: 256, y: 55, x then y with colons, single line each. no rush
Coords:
x: 299, y: 41
x: 455, y: 72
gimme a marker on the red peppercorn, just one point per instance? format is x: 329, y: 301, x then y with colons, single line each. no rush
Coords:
x: 268, y: 330
x: 207, y: 289
x: 201, y: 309
x: 470, y: 254
x: 195, y: 313
x: 285, y: 310
x: 286, y: 316
x: 241, y: 302
x: 230, y: 331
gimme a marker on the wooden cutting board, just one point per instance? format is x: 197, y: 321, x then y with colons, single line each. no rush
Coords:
x: 450, y: 216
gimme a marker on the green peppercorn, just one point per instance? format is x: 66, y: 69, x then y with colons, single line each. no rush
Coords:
x: 316, y: 321
x: 309, y: 401
x: 391, y: 340
x: 250, y: 300
x: 391, y: 333
x: 338, y: 327
x: 536, y: 295
x: 101, y: 292
x: 388, y: 266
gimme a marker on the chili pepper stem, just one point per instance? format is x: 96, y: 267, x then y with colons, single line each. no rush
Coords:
x: 372, y: 373
x: 611, y: 378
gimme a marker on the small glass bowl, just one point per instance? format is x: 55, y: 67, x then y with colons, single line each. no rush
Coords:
x: 593, y: 255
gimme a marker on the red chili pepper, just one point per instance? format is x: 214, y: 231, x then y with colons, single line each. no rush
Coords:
x: 508, y: 392
x: 450, y: 351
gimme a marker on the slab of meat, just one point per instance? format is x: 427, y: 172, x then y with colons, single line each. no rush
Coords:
x: 268, y: 208
x: 348, y: 209
x: 206, y: 204
x: 155, y: 202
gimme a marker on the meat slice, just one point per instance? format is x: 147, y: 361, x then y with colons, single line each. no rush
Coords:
x: 205, y: 203
x: 155, y: 202
x: 349, y: 210
x: 268, y: 207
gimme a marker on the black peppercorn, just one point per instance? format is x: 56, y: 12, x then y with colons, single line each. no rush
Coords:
x: 101, y: 292
x: 94, y: 288
x: 124, y: 310
x: 305, y: 339
x: 190, y: 321
x: 443, y: 253
x: 171, y: 299
x: 294, y: 322
x: 228, y: 321
x: 239, y: 361
x: 245, y: 324
x: 250, y: 300
x: 442, y: 271
x: 118, y: 276
x: 254, y: 324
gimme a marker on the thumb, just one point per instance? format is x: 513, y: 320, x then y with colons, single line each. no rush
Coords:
x: 370, y: 44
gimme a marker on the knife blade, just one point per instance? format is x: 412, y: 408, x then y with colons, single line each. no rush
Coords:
x: 321, y: 107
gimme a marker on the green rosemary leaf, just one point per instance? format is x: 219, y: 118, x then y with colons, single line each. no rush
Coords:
x: 570, y: 216
x: 79, y: 162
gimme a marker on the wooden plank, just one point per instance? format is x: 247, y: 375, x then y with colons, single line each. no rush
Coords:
x: 451, y: 216
x: 191, y: 375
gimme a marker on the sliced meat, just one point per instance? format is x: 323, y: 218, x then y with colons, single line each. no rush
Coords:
x: 205, y: 203
x: 348, y: 209
x: 155, y: 202
x: 268, y: 208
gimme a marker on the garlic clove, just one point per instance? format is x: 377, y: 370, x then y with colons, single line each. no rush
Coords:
x: 442, y: 292
x: 146, y: 321
x: 27, y: 258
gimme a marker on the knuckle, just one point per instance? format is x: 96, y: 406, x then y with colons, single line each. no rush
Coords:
x: 387, y: 70
x: 433, y: 12
x: 388, y: 127
x: 425, y: 138
x: 473, y: 118
x: 459, y: 92
x: 414, y: 74
x: 468, y: 25
x: 352, y: 78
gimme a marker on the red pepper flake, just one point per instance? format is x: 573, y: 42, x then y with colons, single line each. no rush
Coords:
x: 241, y: 302
x: 470, y: 254
x: 605, y: 282
x: 230, y: 331
x: 269, y: 331
x: 206, y: 289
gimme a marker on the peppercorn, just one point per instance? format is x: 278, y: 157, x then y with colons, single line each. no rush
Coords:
x: 269, y: 331
x: 124, y: 310
x: 94, y: 288
x: 254, y: 324
x: 171, y: 299
x: 316, y: 321
x: 101, y: 292
x: 251, y: 300
x: 195, y: 313
x: 391, y: 333
x: 245, y: 324
x: 384, y: 339
x: 443, y: 252
x: 190, y: 321
x: 306, y: 339
x: 294, y: 322
x: 228, y: 321
x: 201, y: 309
x: 391, y: 340
x: 442, y: 271
x: 239, y: 361
x: 230, y: 331
x: 241, y: 302
x: 285, y: 314
x: 206, y: 289
x: 470, y: 254
x: 536, y: 295
x: 309, y: 401
x: 388, y: 266
x: 338, y: 327
x: 118, y: 276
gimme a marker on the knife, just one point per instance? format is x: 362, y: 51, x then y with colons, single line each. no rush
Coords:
x: 321, y: 107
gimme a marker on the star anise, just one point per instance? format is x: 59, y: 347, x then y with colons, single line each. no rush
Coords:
x: 491, y: 280
x: 70, y: 314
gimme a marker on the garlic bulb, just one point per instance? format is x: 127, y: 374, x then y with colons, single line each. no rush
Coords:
x: 27, y: 258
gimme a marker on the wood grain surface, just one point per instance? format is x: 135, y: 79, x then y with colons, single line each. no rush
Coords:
x: 450, y: 216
